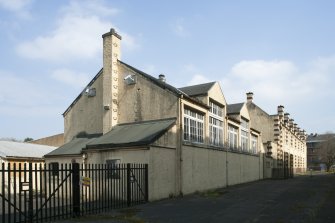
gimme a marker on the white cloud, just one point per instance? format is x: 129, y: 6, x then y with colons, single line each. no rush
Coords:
x: 72, y: 78
x: 21, y: 97
x: 195, y: 73
x: 77, y: 34
x: 281, y: 82
x: 18, y: 91
x: 19, y: 7
x: 198, y: 79
x: 179, y: 29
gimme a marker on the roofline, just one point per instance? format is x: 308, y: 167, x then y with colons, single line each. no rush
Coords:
x: 147, y: 121
x: 164, y: 85
x: 123, y: 147
x: 203, y: 94
x: 259, y: 108
x: 81, y: 93
x: 255, y: 130
x: 22, y: 158
x: 143, y: 143
x: 63, y: 155
x: 234, y: 120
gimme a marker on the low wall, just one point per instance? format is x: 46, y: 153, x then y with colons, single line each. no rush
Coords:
x: 204, y: 169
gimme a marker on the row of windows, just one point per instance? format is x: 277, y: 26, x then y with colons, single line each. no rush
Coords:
x: 194, y: 130
x: 193, y: 126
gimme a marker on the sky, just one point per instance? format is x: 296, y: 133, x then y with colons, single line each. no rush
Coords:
x: 282, y: 51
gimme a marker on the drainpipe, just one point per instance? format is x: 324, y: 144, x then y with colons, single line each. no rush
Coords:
x: 179, y: 147
x: 227, y: 157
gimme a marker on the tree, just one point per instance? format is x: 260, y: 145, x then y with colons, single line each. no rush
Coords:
x: 28, y: 139
x: 327, y: 150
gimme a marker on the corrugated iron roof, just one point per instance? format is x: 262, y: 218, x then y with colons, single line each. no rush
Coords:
x: 74, y: 147
x: 20, y: 149
x: 133, y: 134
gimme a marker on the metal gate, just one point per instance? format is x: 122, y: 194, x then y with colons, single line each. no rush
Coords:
x: 44, y: 193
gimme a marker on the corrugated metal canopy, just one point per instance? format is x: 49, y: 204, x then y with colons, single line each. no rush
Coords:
x: 74, y: 147
x: 20, y: 149
x: 133, y: 134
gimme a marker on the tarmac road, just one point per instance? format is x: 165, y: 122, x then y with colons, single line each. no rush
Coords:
x: 301, y: 199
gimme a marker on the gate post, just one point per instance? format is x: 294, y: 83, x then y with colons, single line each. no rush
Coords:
x: 128, y: 185
x: 75, y: 189
x: 30, y: 201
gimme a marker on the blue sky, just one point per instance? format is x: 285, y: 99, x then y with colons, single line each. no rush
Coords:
x: 283, y: 51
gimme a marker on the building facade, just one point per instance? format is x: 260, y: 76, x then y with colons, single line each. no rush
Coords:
x: 190, y: 137
x: 283, y: 140
x: 315, y: 150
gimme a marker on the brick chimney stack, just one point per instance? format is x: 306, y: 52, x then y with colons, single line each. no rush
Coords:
x: 111, y: 54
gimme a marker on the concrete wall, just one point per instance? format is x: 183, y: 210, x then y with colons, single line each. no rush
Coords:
x: 261, y: 121
x: 55, y: 140
x: 204, y: 169
x: 161, y: 166
x: 85, y: 115
x: 244, y: 168
x: 144, y: 100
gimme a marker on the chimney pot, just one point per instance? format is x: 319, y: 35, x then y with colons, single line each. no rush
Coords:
x: 162, y: 78
x: 250, y: 96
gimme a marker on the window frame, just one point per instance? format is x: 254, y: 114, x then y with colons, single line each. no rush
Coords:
x: 233, y: 141
x: 194, y: 123
x: 216, y: 124
x: 254, y: 141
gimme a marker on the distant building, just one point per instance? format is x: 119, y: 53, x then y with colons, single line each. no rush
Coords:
x: 54, y: 140
x: 19, y: 152
x: 314, y: 158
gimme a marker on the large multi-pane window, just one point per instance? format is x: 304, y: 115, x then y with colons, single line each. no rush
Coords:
x: 216, y: 124
x: 216, y: 109
x: 254, y: 144
x: 244, y: 140
x: 193, y: 126
x: 215, y: 131
x: 244, y: 135
x: 232, y: 137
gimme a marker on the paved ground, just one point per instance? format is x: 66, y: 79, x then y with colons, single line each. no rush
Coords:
x: 302, y: 199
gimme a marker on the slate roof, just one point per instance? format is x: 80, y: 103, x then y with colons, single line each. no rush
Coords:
x: 159, y: 83
x: 74, y: 147
x: 234, y: 108
x: 164, y: 85
x: 197, y: 90
x: 319, y: 137
x: 10, y: 149
x: 133, y: 134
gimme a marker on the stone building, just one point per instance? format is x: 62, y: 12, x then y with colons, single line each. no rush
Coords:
x: 315, y: 152
x: 283, y: 140
x: 185, y: 135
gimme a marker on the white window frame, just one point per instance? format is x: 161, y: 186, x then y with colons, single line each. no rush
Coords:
x: 193, y: 126
x: 244, y: 140
x: 254, y: 143
x: 216, y: 123
x: 232, y: 137
x: 244, y: 135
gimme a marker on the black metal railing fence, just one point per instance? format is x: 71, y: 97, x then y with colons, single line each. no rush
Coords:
x: 44, y: 193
